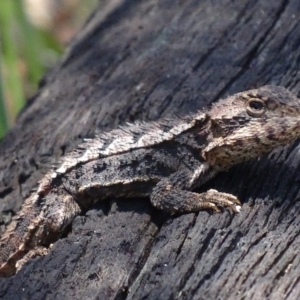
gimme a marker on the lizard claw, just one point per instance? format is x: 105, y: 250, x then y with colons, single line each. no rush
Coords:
x: 224, y: 200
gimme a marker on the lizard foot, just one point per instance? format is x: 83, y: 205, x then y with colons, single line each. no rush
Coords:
x: 172, y: 195
x: 40, y: 251
x: 222, y: 199
x: 182, y: 201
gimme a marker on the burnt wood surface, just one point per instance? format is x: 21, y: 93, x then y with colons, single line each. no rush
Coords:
x: 142, y: 60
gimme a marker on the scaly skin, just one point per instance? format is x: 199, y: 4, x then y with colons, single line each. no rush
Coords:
x: 163, y: 160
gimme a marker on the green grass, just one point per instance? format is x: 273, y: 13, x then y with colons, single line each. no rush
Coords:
x: 12, y: 80
x: 3, y: 118
x: 22, y: 59
x: 26, y: 52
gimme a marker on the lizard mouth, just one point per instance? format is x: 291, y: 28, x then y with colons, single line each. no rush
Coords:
x: 245, y: 143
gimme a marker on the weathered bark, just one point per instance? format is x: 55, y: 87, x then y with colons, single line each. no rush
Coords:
x: 144, y: 60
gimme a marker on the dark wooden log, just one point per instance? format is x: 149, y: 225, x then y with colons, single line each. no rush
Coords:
x: 142, y: 60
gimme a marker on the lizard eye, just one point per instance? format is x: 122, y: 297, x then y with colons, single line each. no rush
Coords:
x: 255, y: 107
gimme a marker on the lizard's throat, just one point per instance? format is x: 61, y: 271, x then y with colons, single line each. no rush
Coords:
x: 241, y: 145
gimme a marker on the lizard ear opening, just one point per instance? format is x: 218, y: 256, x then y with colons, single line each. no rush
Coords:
x: 216, y: 129
x: 255, y: 107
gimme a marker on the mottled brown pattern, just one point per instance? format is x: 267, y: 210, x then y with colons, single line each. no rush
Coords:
x: 164, y: 160
x: 252, y: 133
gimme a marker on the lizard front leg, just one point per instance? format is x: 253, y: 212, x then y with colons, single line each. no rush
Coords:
x: 173, y: 194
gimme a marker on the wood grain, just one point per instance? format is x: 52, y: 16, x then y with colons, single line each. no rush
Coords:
x: 142, y: 60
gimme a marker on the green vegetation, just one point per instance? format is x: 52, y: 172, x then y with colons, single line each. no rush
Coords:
x: 8, y: 59
x: 27, y: 51
x: 21, y: 61
x: 3, y: 118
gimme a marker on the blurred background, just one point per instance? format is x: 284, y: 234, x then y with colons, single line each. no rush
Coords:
x: 33, y: 34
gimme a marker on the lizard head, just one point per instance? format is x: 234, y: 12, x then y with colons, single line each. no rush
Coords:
x: 250, y: 124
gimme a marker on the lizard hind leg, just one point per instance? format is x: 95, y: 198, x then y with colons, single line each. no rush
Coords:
x: 172, y: 195
x: 59, y: 211
x: 44, y: 222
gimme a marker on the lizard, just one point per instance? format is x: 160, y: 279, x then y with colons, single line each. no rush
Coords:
x: 165, y: 160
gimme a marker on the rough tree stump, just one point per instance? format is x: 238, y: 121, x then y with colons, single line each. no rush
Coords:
x: 142, y: 60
